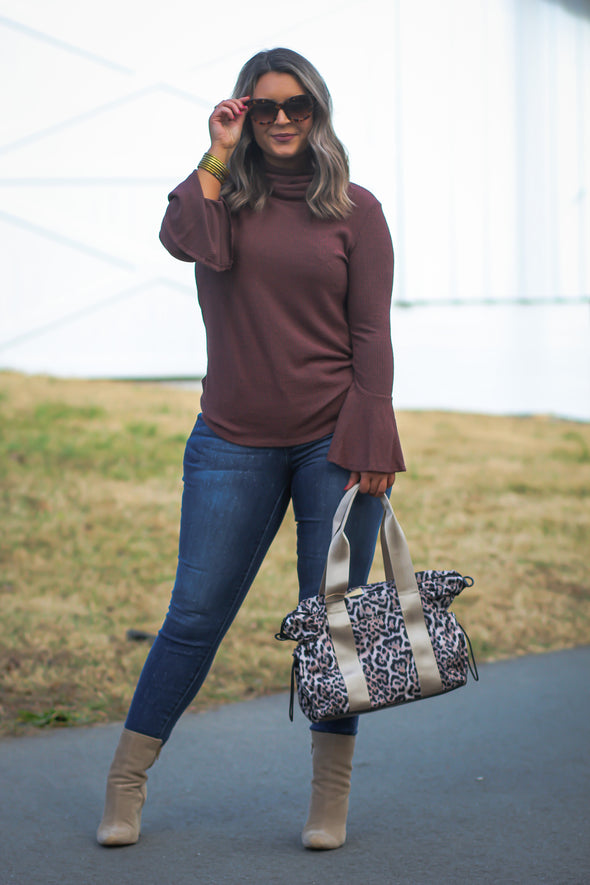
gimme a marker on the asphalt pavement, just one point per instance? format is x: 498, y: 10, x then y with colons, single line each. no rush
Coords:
x: 489, y: 784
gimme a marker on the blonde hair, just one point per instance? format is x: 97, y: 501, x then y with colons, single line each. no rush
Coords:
x: 327, y: 194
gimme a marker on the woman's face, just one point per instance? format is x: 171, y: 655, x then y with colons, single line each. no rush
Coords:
x: 284, y: 142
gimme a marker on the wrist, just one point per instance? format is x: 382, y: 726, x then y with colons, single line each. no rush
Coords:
x: 220, y: 152
x: 214, y: 166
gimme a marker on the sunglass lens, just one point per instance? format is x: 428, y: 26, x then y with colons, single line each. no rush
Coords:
x: 263, y: 111
x: 299, y: 108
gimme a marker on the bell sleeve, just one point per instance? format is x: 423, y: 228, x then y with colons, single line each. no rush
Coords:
x: 197, y: 229
x: 365, y: 437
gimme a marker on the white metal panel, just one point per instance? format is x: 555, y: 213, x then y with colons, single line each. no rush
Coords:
x: 470, y: 120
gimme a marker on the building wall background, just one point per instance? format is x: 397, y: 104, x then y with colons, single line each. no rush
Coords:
x: 469, y: 120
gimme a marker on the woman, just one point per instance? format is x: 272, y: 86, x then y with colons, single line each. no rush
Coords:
x: 294, y: 269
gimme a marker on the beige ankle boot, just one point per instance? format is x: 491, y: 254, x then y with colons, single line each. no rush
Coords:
x: 126, y: 788
x: 330, y: 787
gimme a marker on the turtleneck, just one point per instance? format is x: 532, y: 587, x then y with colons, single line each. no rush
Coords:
x: 288, y: 184
x: 297, y: 313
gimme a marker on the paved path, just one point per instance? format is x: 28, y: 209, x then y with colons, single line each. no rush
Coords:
x: 489, y: 784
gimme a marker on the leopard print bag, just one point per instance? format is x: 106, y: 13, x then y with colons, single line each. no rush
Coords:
x: 366, y: 648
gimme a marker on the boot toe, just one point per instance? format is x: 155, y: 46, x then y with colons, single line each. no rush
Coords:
x: 320, y: 840
x: 111, y: 836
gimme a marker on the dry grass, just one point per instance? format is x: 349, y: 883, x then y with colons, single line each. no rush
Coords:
x: 90, y: 475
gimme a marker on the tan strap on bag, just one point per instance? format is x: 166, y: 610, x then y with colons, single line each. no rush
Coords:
x: 398, y: 566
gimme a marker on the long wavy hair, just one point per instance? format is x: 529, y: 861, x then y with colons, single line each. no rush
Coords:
x: 327, y: 195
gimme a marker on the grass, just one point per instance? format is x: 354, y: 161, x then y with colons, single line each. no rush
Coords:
x: 90, y: 490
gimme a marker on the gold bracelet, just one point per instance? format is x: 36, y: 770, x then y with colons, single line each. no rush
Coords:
x: 214, y: 166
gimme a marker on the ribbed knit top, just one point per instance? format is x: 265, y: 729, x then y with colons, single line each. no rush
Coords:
x: 297, y: 315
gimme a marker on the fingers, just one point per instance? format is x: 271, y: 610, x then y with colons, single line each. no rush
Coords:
x: 372, y: 483
x: 352, y: 480
x: 229, y: 109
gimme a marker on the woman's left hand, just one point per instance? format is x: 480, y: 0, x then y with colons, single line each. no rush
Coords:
x: 371, y: 482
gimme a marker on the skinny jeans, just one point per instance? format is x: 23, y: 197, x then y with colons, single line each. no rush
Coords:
x: 233, y: 503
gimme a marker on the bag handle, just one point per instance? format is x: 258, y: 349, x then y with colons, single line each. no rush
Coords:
x: 398, y: 567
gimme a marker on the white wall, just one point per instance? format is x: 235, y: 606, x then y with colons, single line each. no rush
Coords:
x: 468, y: 118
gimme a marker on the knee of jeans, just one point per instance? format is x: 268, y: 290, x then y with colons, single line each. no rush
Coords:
x: 191, y: 628
x: 192, y: 617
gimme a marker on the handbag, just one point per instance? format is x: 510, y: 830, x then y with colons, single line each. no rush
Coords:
x: 365, y: 648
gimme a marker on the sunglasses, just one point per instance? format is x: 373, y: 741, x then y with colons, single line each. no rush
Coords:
x: 265, y: 111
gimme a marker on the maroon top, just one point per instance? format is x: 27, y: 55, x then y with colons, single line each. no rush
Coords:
x: 297, y: 313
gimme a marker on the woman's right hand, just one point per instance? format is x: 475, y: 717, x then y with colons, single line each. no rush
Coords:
x: 225, y: 126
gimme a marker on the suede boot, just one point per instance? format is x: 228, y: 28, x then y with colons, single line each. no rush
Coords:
x: 325, y: 827
x: 126, y: 788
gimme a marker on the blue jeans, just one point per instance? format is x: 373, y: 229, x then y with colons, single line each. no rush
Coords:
x: 234, y: 501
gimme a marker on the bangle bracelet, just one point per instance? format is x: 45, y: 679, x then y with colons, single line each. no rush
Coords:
x: 214, y: 166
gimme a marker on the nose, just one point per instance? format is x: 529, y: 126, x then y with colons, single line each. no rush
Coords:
x: 282, y: 118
